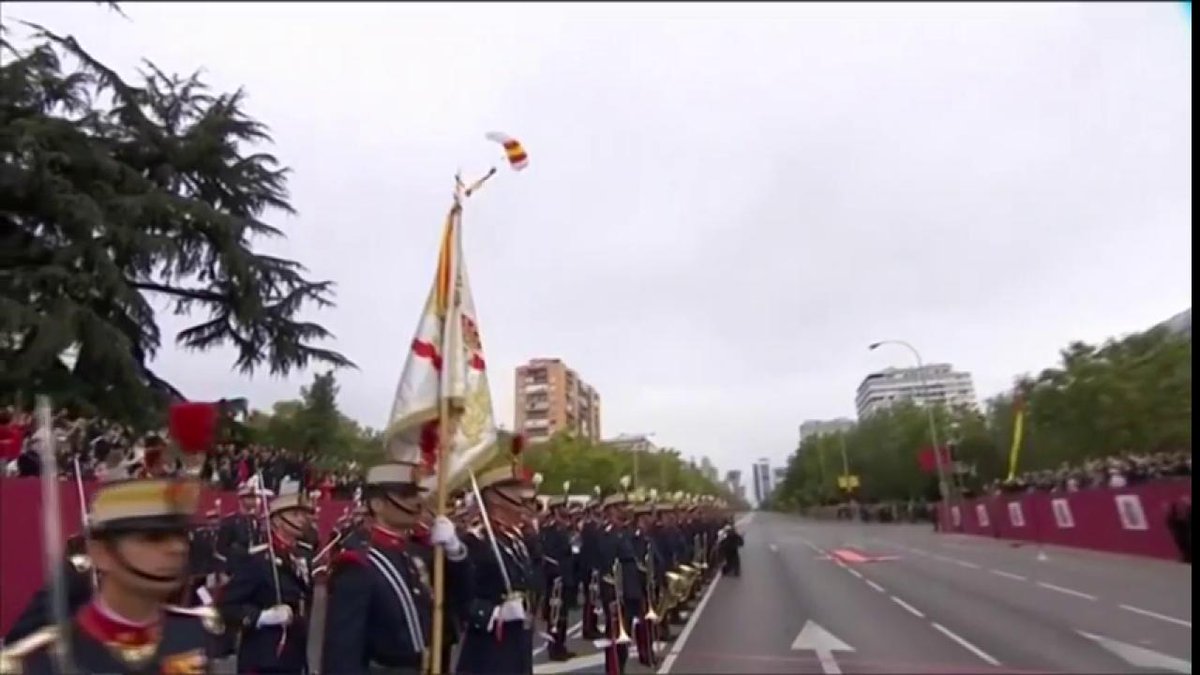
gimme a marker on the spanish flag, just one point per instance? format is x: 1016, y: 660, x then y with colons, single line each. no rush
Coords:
x: 517, y: 158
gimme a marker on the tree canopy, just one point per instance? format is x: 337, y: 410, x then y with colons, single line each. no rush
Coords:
x: 1129, y: 395
x: 123, y: 196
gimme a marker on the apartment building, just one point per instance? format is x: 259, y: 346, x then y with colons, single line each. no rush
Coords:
x: 936, y: 384
x: 552, y: 398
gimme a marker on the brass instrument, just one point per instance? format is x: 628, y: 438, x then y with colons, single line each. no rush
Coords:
x: 593, y: 591
x: 651, y: 586
x: 556, y: 602
x: 617, y: 613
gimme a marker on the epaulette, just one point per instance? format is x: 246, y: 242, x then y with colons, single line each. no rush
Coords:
x: 11, y: 657
x: 209, y: 617
x: 258, y: 548
x: 81, y: 563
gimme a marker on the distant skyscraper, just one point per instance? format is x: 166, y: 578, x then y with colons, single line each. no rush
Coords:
x: 762, y: 480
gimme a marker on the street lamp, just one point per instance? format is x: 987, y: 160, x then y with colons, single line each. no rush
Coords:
x: 641, y: 441
x: 943, y: 489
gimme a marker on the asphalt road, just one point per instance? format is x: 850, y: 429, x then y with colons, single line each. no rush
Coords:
x: 821, y: 597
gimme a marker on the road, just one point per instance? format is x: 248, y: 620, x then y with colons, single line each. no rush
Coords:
x: 830, y: 598
x: 825, y: 597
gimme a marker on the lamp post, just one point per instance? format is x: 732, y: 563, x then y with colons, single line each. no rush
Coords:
x: 640, y: 441
x: 943, y: 488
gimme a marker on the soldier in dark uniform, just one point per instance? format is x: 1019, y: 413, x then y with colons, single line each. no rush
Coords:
x: 499, y: 638
x: 203, y: 565
x: 239, y: 531
x: 269, y: 594
x: 590, y: 538
x: 621, y: 584
x: 79, y: 577
x: 651, y: 563
x: 137, y: 539
x: 380, y: 612
x: 556, y: 541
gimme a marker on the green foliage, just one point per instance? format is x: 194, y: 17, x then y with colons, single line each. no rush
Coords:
x: 588, y: 465
x: 120, y: 195
x: 1129, y: 395
x: 314, y: 424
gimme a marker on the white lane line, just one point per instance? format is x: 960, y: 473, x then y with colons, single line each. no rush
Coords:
x: 573, y: 631
x: 874, y: 585
x: 856, y: 573
x: 1066, y: 591
x: 968, y: 565
x: 1156, y: 615
x: 773, y: 548
x: 1008, y: 575
x: 984, y: 656
x: 687, y: 630
x: 911, y: 610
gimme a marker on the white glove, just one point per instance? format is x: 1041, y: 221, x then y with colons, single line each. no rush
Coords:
x: 512, y: 610
x: 443, y: 534
x: 279, y: 615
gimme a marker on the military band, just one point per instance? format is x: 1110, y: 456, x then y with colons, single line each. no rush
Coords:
x: 158, y: 588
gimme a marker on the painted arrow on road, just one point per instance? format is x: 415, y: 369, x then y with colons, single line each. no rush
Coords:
x: 1140, y: 657
x: 816, y: 639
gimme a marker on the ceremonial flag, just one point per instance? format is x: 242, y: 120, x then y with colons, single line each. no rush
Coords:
x: 445, y: 359
x: 1018, y: 433
x: 517, y: 157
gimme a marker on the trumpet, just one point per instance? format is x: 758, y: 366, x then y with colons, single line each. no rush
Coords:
x: 555, y: 602
x: 651, y: 587
x: 618, y: 615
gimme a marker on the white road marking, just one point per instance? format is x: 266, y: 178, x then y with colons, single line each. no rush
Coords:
x: 968, y: 565
x: 1156, y: 615
x: 856, y: 573
x: 911, y: 610
x: 874, y: 585
x: 680, y: 641
x: 1140, y: 657
x: 1008, y: 575
x: 573, y: 631
x: 984, y: 656
x: 1067, y: 591
x: 820, y: 641
x: 773, y: 547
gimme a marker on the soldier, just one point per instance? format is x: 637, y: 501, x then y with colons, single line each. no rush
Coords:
x: 239, y: 531
x: 498, y: 636
x: 138, y: 541
x: 203, y: 565
x: 380, y: 611
x: 560, y: 576
x: 270, y: 592
x: 621, y: 589
x: 79, y: 577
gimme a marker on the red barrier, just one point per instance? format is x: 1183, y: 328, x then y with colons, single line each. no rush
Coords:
x: 21, y: 568
x: 1126, y: 520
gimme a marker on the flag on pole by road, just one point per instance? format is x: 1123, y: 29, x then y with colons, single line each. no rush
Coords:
x: 1018, y: 433
x: 445, y: 358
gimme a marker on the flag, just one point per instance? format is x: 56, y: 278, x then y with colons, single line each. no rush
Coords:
x: 1018, y: 432
x: 517, y: 158
x: 445, y: 359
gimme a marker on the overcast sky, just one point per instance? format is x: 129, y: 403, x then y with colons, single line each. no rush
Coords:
x: 724, y: 205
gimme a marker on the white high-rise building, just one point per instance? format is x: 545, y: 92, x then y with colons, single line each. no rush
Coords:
x: 762, y: 480
x: 942, y: 385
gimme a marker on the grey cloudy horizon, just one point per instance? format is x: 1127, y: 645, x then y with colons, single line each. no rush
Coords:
x: 724, y: 206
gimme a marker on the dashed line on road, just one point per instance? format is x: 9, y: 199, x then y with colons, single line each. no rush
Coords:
x: 984, y: 656
x: 856, y: 573
x: 874, y: 585
x: 1008, y: 575
x: 773, y: 548
x: 1156, y: 615
x: 968, y: 565
x: 909, y: 608
x: 1066, y: 591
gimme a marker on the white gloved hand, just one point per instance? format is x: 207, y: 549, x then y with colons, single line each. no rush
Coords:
x: 279, y: 615
x: 512, y: 610
x: 443, y: 534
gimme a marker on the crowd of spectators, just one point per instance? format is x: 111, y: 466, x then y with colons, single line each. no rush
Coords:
x: 1110, y: 472
x: 99, y: 449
